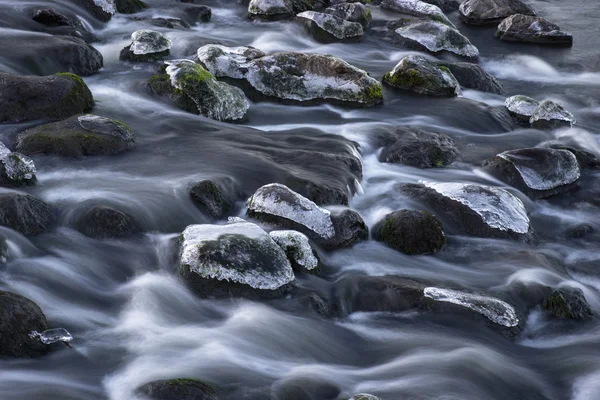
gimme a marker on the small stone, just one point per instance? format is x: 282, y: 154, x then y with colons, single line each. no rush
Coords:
x: 531, y: 29
x: 178, y: 389
x: 16, y: 169
x: 419, y: 75
x: 214, y: 198
x: 419, y: 148
x: 568, y: 303
x: 298, y: 250
x: 411, y: 232
x: 551, y: 115
x: 51, y: 17
x: 521, y: 107
x: 489, y: 12
x: 104, y: 222
x: 329, y: 28
x: 353, y: 12
x: 146, y: 45
x: 270, y: 9
x: 472, y: 76
x: 417, y: 8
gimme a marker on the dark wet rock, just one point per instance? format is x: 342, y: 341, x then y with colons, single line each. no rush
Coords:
x: 417, y: 8
x: 521, y: 107
x: 102, y: 222
x: 199, y: 13
x: 432, y: 36
x: 146, y: 45
x: 195, y: 90
x: 446, y: 6
x: 330, y: 28
x: 25, y: 214
x: 568, y: 303
x: 178, y: 389
x: 102, y: 10
x: 472, y: 76
x: 353, y: 12
x: 78, y: 136
x: 229, y: 62
x: 171, y: 23
x: 60, y: 24
x: 298, y: 250
x: 419, y: 148
x: 579, y: 231
x: 349, y: 228
x: 551, y: 115
x: 537, y: 172
x: 304, y: 388
x: 531, y: 29
x: 215, y: 198
x: 411, y: 232
x: 19, y: 317
x: 51, y: 17
x: 585, y: 158
x: 418, y: 74
x: 489, y: 12
x: 234, y: 259
x: 16, y: 169
x: 320, y: 305
x: 474, y: 209
x: 130, y: 6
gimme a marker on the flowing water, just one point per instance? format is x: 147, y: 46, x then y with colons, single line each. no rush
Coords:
x: 132, y: 319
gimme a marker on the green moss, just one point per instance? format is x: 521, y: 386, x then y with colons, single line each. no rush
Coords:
x: 373, y: 94
x: 445, y: 69
x: 122, y: 124
x: 406, y: 79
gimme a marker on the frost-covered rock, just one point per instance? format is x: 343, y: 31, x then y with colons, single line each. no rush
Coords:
x: 411, y: 232
x: 270, y: 9
x: 521, y: 107
x: 298, y: 250
x: 537, y: 172
x: 312, y: 77
x: 234, y: 259
x: 417, y: 8
x: 353, y: 12
x: 472, y: 76
x: 16, y: 169
x: 494, y: 309
x: 329, y: 28
x: 551, y: 115
x: 51, y: 336
x: 146, y: 45
x: 531, y: 29
x: 418, y: 74
x: 445, y: 5
x: 196, y: 90
x: 474, y: 209
x: 230, y: 62
x: 433, y: 36
x: 487, y: 12
x: 364, y: 396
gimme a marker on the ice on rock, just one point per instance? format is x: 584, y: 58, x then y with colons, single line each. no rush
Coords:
x: 436, y: 36
x: 230, y: 62
x: 417, y: 8
x: 335, y: 26
x: 494, y: 309
x: 521, y: 106
x: 108, y: 6
x: 16, y: 166
x: 551, y: 114
x: 297, y: 247
x: 497, y: 207
x: 52, y: 336
x: 147, y: 41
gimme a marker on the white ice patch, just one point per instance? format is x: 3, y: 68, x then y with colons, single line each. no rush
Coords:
x: 223, y: 61
x: 52, y: 336
x: 417, y: 8
x: 108, y: 6
x: 549, y: 110
x: 521, y: 105
x: 494, y: 309
x: 147, y: 41
x: 333, y: 25
x: 296, y: 243
x: 435, y: 37
x: 17, y: 167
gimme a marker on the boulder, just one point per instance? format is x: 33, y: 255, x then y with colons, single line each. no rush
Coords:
x: 476, y: 210
x: 28, y: 98
x: 418, y: 9
x: 215, y: 198
x: 551, y: 115
x: 178, y: 389
x: 103, y: 222
x: 146, y: 45
x: 59, y: 24
x: 51, y: 17
x: 472, y: 76
x: 419, y: 148
x: 491, y: 12
x: 298, y: 250
x: 194, y: 89
x: 446, y: 6
x: 130, y: 6
x: 537, y: 172
x: 353, y: 12
x: 432, y: 36
x: 234, y: 259
x: 531, y: 29
x: 330, y: 28
x: 78, y: 136
x: 198, y: 13
x: 16, y: 169
x: 521, y: 107
x: 270, y: 9
x: 25, y: 214
x: 170, y: 23
x: 418, y: 74
x: 228, y: 62
x: 102, y: 10
x: 568, y: 303
x: 350, y: 229
x: 19, y: 317
x: 411, y: 232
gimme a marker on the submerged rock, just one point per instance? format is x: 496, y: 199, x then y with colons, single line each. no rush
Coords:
x: 568, y: 303
x: 353, y: 12
x: 178, y: 389
x: 411, y: 232
x: 84, y: 135
x: 25, y: 214
x: 531, y: 29
x: 16, y: 169
x: 146, y: 45
x: 419, y: 148
x: 234, y: 259
x: 270, y: 9
x: 472, y: 76
x: 51, y: 17
x: 418, y: 74
x: 551, y: 115
x: 298, y: 250
x: 102, y: 222
x: 329, y: 28
x: 417, y: 8
x: 28, y: 98
x: 19, y: 317
x: 537, y: 172
x: 215, y: 198
x: 521, y: 107
x: 488, y: 12
x: 230, y: 62
x: 196, y: 90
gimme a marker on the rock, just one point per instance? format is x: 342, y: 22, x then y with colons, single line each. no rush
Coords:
x: 25, y: 214
x: 353, y: 12
x: 472, y: 76
x: 16, y: 169
x: 568, y: 303
x: 411, y: 232
x: 270, y: 9
x: 194, y: 89
x: 350, y: 229
x: 130, y: 6
x: 199, y: 13
x: 475, y: 209
x: 417, y: 8
x: 585, y: 158
x: 364, y: 396
x: 51, y: 17
x: 531, y: 29
x: 78, y: 136
x: 521, y: 107
x: 171, y: 23
x: 304, y: 388
x: 329, y: 28
x: 28, y: 98
x: 60, y: 24
x: 489, y: 12
x: 178, y: 389
x: 19, y: 317
x: 230, y: 62
x: 551, y: 115
x: 146, y: 45
x: 432, y: 36
x: 419, y: 148
x: 103, y: 10
x: 579, y: 231
x: 234, y: 259
x: 297, y: 248
x: 215, y: 198
x: 102, y: 222
x: 320, y: 305
x: 418, y: 74
x: 537, y: 172
x: 312, y: 78
x: 446, y: 6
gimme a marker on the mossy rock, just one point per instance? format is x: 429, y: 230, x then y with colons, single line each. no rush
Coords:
x: 568, y: 303
x: 419, y: 75
x: 178, y: 389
